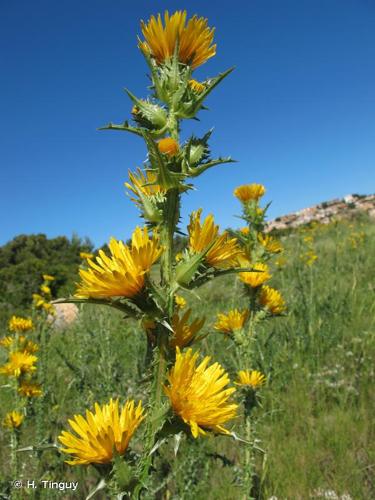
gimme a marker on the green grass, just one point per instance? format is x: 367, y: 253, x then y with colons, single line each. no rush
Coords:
x: 315, y: 423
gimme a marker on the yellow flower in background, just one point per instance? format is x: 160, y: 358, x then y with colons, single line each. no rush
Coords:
x: 85, y: 255
x: 197, y: 393
x: 7, y: 342
x: 101, y: 434
x: 49, y: 308
x: 29, y: 389
x: 233, y: 320
x: 270, y: 243
x: 143, y: 182
x: 19, y: 362
x: 257, y: 277
x: 18, y: 324
x: 309, y: 257
x: 38, y: 300
x: 180, y: 301
x: 272, y: 300
x: 194, y: 38
x: 245, y: 230
x: 196, y: 86
x: 123, y: 273
x: 185, y: 333
x: 25, y: 345
x: 308, y: 239
x: 13, y: 420
x: 29, y: 346
x: 179, y: 256
x: 251, y: 378
x: 249, y: 192
x: 48, y: 277
x: 168, y: 146
x: 45, y: 289
x: 224, y: 250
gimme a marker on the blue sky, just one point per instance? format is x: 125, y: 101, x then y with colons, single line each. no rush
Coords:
x: 298, y: 113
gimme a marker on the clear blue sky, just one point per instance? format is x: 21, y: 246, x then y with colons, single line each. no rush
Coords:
x: 298, y: 113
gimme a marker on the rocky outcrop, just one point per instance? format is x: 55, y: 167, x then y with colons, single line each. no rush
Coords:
x: 65, y: 315
x: 326, y: 211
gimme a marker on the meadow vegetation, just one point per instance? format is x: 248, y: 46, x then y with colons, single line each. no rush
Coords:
x: 315, y: 424
x: 237, y: 368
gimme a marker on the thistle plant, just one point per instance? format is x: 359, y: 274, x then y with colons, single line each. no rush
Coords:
x: 20, y: 372
x: 186, y: 395
x: 264, y: 302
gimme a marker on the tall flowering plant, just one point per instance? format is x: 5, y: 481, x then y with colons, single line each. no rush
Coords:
x: 187, y: 394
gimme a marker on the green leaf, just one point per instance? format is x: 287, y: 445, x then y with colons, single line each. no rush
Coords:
x: 194, y: 172
x: 126, y: 306
x: 212, y: 83
x: 124, y: 127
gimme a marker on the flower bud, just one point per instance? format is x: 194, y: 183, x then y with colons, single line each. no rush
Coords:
x: 168, y: 146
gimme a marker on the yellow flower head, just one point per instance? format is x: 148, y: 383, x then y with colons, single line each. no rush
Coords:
x: 29, y: 390
x: 7, y: 342
x: 101, y: 434
x: 24, y: 345
x: 49, y: 308
x: 245, y: 230
x: 45, y: 289
x: 234, y: 320
x: 197, y: 393
x: 224, y: 250
x: 309, y: 257
x: 145, y: 183
x: 13, y: 420
x: 123, y: 273
x: 196, y: 86
x: 194, y: 38
x: 185, y: 333
x: 168, y: 146
x: 86, y: 255
x: 257, y: 277
x: 250, y: 378
x: 270, y: 243
x: 249, y: 192
x: 180, y: 301
x: 48, y: 277
x: 38, y: 300
x: 29, y: 346
x: 17, y: 324
x: 272, y: 300
x: 19, y: 362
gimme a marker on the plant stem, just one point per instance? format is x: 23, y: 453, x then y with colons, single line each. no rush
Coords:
x: 248, y: 462
x: 161, y: 353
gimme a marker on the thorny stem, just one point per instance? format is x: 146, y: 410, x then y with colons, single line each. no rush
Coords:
x: 161, y: 353
x: 248, y: 462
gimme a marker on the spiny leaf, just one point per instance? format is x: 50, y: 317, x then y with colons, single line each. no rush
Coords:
x: 124, y: 127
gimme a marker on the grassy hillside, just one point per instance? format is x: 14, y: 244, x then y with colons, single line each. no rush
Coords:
x: 314, y: 427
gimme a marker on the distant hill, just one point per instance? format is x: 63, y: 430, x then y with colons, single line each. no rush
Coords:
x: 350, y: 205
